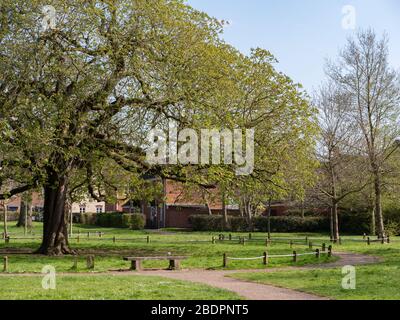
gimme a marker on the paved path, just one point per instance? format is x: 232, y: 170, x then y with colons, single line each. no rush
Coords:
x: 254, y: 291
x: 247, y: 290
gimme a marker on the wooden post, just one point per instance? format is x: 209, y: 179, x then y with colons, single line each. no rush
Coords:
x: 340, y: 240
x: 266, y: 242
x: 291, y: 244
x: 317, y: 253
x: 230, y: 237
x: 75, y: 265
x: 330, y: 251
x: 294, y: 256
x: 77, y: 238
x: 225, y: 261
x: 148, y: 239
x: 250, y: 235
x: 306, y: 240
x: 90, y: 262
x: 88, y: 235
x: 265, y: 259
x: 369, y: 241
x: 243, y: 241
x: 213, y: 240
x: 114, y: 239
x: 388, y: 239
x: 5, y: 220
x: 323, y: 247
x: 5, y: 266
x: 364, y: 236
x: 310, y: 245
x: 7, y: 240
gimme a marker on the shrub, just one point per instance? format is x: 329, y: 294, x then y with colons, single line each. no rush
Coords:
x: 392, y: 228
x: 238, y: 224
x: 120, y: 220
x: 88, y: 219
x: 137, y: 221
x: 354, y: 223
x: 206, y: 223
x: 278, y: 224
x: 292, y: 224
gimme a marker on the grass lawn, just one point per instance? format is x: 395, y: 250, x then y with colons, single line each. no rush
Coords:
x: 108, y: 255
x: 108, y: 288
x: 380, y: 281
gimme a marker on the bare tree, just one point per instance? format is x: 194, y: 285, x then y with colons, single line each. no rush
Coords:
x: 339, y: 173
x: 363, y: 71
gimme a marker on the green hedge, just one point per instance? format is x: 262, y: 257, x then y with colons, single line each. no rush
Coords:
x: 114, y: 220
x: 351, y: 223
x: 278, y: 224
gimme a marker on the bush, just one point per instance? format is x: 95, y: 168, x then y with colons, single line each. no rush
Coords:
x: 278, y: 224
x: 137, y: 221
x: 114, y: 220
x: 292, y: 224
x: 392, y: 228
x: 88, y: 219
x: 206, y: 223
x: 354, y: 223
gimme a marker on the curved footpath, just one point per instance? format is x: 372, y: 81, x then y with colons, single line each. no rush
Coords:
x: 255, y: 291
x: 247, y: 290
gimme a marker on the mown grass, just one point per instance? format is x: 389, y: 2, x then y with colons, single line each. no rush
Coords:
x: 108, y: 288
x: 108, y: 255
x: 380, y: 281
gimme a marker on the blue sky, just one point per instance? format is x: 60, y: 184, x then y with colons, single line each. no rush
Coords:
x: 302, y: 33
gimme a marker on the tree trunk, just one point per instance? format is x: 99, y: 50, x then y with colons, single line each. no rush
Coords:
x: 378, y: 205
x: 25, y: 218
x: 373, y: 221
x: 336, y: 234
x: 225, y: 211
x: 55, y: 226
x: 5, y: 220
x: 208, y: 208
x: 332, y: 224
x: 269, y: 218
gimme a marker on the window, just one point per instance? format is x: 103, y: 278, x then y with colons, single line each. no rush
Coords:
x: 82, y: 208
x: 99, y: 209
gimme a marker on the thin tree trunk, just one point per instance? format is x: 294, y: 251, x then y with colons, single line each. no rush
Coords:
x: 269, y: 218
x: 302, y: 210
x: 336, y: 222
x: 24, y: 219
x: 332, y: 224
x: 373, y: 221
x: 378, y: 205
x: 5, y: 220
x: 225, y: 211
x: 208, y: 208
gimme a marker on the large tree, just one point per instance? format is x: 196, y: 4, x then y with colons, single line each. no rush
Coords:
x: 342, y: 167
x: 363, y: 71
x: 77, y: 100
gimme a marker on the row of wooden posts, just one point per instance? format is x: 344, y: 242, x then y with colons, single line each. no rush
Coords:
x: 89, y: 263
x: 266, y: 257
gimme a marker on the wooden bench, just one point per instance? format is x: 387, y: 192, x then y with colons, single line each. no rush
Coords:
x: 174, y: 261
